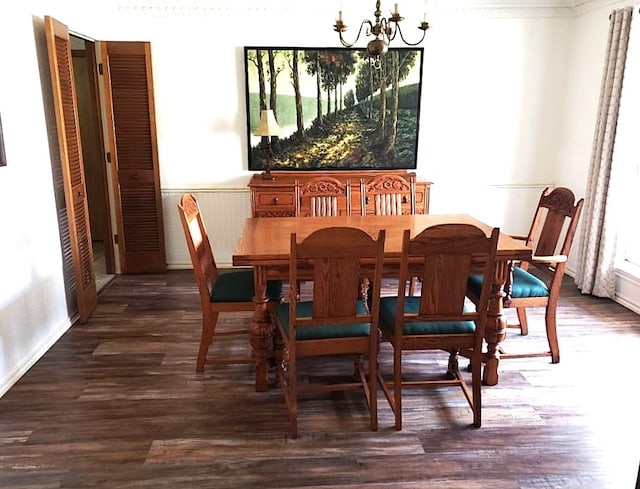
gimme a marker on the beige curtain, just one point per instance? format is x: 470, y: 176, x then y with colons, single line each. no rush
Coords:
x: 599, y: 244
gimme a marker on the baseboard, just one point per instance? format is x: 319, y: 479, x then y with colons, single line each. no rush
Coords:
x: 627, y: 289
x: 35, y: 355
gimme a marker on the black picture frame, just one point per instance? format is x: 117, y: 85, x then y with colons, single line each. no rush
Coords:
x: 350, y: 134
x: 3, y: 155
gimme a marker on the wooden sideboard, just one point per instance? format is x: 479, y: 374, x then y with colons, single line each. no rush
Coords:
x: 276, y: 197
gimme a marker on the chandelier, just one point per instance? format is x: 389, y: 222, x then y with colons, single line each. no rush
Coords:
x: 384, y: 31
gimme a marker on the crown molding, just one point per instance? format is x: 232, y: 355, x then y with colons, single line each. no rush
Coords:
x: 527, y: 8
x: 489, y: 8
x: 585, y: 6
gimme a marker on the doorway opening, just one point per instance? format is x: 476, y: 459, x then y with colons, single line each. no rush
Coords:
x: 85, y: 69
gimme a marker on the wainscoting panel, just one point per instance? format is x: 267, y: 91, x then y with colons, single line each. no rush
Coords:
x: 223, y: 210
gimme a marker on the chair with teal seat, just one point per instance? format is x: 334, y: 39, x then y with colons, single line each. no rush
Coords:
x: 388, y: 194
x: 550, y: 236
x: 228, y: 291
x: 442, y: 257
x: 337, y: 322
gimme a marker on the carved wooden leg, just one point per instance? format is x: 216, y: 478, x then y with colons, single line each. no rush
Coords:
x: 453, y: 368
x: 261, y: 330
x: 364, y: 291
x: 552, y: 333
x: 495, y: 330
x: 209, y: 320
x: 522, y: 319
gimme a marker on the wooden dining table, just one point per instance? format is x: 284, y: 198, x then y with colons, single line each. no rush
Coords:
x: 264, y: 244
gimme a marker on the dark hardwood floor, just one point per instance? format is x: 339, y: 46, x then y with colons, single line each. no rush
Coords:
x: 116, y: 403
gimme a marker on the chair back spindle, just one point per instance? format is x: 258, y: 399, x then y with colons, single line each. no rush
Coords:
x: 388, y: 193
x: 323, y: 197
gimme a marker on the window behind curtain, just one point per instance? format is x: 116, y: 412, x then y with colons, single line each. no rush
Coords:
x: 627, y: 149
x: 632, y: 248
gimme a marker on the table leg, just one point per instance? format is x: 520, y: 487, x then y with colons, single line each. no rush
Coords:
x: 496, y: 327
x: 261, y: 330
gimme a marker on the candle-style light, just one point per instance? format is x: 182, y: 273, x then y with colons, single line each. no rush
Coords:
x: 383, y: 29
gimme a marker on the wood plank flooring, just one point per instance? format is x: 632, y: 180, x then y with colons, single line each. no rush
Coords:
x: 116, y: 403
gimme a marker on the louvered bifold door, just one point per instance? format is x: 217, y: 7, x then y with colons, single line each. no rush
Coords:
x: 70, y: 151
x: 133, y: 148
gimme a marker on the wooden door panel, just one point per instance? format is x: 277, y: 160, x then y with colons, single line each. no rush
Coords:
x: 70, y: 149
x: 129, y: 92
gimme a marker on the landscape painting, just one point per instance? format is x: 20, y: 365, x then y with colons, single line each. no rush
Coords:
x: 338, y: 108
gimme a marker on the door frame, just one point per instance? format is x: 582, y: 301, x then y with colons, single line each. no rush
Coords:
x: 90, y: 52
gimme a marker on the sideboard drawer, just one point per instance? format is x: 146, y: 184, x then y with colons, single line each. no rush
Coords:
x: 275, y: 202
x: 276, y: 199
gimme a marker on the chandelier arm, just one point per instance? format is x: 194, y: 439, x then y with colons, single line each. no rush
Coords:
x: 398, y: 30
x: 391, y: 29
x: 350, y: 45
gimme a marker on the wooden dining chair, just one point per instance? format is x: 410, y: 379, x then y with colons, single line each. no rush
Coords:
x: 336, y: 321
x: 550, y: 236
x: 230, y: 291
x: 323, y: 196
x: 443, y: 257
x: 388, y: 194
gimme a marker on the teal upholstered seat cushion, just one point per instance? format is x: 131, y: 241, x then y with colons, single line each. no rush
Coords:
x: 304, y: 309
x: 527, y: 285
x: 524, y: 285
x: 388, y: 309
x: 237, y: 286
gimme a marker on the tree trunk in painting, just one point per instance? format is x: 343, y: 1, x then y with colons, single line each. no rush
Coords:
x: 383, y: 97
x: 273, y: 87
x: 370, y: 114
x: 296, y: 89
x: 261, y: 85
x: 390, y: 150
x: 319, y: 88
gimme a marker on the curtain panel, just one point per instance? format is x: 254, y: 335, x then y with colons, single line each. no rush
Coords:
x: 599, y: 237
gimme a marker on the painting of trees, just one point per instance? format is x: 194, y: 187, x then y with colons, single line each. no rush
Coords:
x: 336, y: 108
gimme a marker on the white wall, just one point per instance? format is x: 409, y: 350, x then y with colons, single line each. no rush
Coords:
x: 492, y: 107
x: 494, y: 85
x: 33, y: 311
x: 508, y: 107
